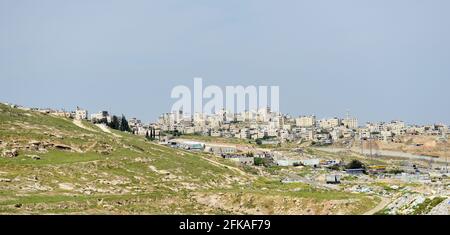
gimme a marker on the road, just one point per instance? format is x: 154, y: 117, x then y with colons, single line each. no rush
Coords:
x: 243, y: 148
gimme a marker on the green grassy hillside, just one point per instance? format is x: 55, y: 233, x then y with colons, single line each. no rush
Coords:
x: 68, y: 168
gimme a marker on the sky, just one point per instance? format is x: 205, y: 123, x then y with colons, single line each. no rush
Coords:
x: 381, y: 60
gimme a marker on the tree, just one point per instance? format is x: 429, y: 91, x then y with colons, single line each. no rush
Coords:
x: 124, y: 124
x: 153, y: 133
x: 259, y: 161
x: 334, y: 168
x: 175, y: 133
x: 115, y: 123
x: 355, y: 164
x: 150, y: 135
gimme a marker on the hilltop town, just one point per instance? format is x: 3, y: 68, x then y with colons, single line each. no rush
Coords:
x: 268, y: 127
x: 402, y: 168
x: 274, y: 128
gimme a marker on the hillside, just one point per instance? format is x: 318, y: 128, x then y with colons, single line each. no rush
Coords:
x: 67, y: 167
x: 436, y: 146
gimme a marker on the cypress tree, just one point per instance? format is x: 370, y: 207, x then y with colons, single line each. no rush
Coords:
x: 115, y: 123
x: 124, y: 124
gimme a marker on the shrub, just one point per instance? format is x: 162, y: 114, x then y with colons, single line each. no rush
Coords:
x: 259, y: 161
x: 355, y: 164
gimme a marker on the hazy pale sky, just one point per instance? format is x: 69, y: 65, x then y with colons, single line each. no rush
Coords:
x: 381, y: 59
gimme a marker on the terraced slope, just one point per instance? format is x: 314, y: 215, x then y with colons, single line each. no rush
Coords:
x: 64, y: 167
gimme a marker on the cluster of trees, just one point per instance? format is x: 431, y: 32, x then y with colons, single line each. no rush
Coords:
x: 100, y: 121
x: 260, y: 140
x: 355, y: 164
x: 120, y: 124
x: 175, y: 133
x: 151, y: 135
x: 262, y: 162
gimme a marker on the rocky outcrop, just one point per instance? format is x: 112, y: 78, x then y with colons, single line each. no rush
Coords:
x: 10, y: 153
x: 442, y: 209
x: 42, y: 146
x: 62, y: 147
x: 34, y: 157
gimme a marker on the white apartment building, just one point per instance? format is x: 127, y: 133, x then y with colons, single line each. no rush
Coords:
x: 351, y: 123
x: 386, y: 136
x: 329, y: 123
x: 250, y: 116
x: 305, y: 121
x: 81, y: 114
x: 101, y: 116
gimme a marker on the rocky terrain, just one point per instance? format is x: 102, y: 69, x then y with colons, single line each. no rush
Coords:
x: 53, y: 165
x: 434, y: 146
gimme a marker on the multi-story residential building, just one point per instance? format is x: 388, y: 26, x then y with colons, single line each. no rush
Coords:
x: 386, y: 136
x: 134, y: 122
x: 62, y: 113
x: 351, y: 123
x: 216, y: 133
x: 329, y: 123
x: 102, y: 116
x: 81, y: 114
x: 305, y: 121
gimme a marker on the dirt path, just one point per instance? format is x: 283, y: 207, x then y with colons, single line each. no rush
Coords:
x: 384, y: 202
x: 91, y: 146
x: 105, y: 129
x: 227, y: 166
x: 80, y: 124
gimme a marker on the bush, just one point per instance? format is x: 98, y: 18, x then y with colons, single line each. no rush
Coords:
x: 262, y: 162
x: 259, y: 161
x: 355, y: 164
x: 427, y: 206
x: 395, y: 171
x: 334, y: 168
x: 250, y: 170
